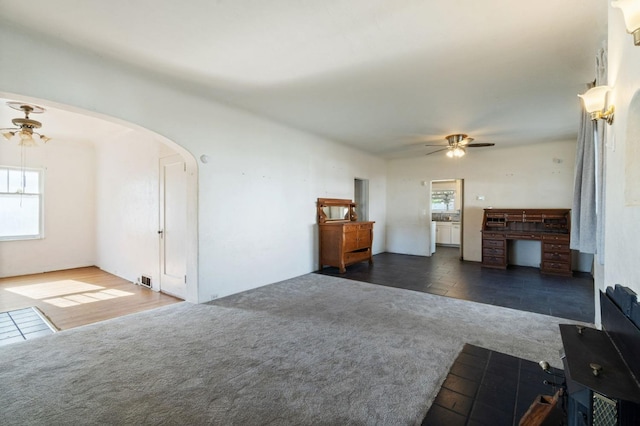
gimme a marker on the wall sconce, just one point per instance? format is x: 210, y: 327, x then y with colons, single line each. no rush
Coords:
x: 631, y: 12
x: 595, y: 102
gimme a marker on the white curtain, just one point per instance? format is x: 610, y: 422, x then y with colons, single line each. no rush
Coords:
x: 587, y: 221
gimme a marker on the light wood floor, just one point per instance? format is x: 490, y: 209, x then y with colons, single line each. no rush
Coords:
x: 76, y: 297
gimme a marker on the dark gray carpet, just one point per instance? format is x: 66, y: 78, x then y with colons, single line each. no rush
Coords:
x: 310, y: 350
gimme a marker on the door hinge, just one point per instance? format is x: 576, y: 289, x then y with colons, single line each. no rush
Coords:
x: 185, y: 279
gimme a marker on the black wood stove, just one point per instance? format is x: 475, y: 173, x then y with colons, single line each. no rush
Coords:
x: 602, y: 367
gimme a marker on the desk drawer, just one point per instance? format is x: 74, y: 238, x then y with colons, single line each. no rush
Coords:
x: 492, y: 236
x: 561, y: 267
x: 493, y: 243
x: 490, y: 251
x: 535, y: 237
x: 556, y: 237
x: 555, y: 247
x: 493, y: 260
x: 557, y: 256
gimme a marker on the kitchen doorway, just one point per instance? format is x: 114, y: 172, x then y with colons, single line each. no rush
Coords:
x: 447, y: 209
x: 361, y: 198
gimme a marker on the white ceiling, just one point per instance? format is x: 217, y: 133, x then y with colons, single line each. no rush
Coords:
x: 385, y: 76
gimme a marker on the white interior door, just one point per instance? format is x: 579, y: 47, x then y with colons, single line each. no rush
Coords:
x: 173, y: 221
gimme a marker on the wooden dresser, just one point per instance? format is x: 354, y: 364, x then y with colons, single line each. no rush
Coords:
x: 549, y: 226
x: 343, y: 240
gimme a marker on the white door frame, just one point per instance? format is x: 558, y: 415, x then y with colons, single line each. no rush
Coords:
x: 174, y: 281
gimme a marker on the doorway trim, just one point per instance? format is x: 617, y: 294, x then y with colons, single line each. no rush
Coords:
x: 361, y: 198
x: 460, y: 184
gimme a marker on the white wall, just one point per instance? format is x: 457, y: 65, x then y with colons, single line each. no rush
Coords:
x: 533, y: 176
x: 622, y: 228
x: 68, y: 209
x: 256, y: 197
x: 127, y: 204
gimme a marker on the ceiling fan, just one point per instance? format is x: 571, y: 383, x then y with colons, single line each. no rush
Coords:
x: 458, y: 144
x: 24, y: 130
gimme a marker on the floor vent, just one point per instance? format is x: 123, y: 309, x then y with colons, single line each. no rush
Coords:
x: 145, y: 281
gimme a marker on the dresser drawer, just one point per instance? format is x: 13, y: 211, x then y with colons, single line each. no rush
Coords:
x: 364, y: 239
x: 557, y: 256
x: 356, y: 256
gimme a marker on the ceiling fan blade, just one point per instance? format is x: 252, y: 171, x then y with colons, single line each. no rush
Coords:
x: 440, y: 145
x: 438, y: 150
x: 480, y: 145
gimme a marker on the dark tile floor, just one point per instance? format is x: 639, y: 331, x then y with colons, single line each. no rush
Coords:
x: 485, y: 387
x: 444, y: 274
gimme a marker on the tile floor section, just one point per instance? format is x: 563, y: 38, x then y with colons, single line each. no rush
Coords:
x: 444, y: 274
x: 485, y: 387
x: 22, y: 324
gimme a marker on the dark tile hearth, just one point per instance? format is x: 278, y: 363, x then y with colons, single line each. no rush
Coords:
x: 485, y: 387
x: 445, y: 274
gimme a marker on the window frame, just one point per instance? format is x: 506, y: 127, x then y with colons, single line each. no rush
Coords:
x: 438, y: 196
x: 40, y: 195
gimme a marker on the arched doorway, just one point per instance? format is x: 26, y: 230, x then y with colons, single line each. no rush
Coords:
x: 122, y: 180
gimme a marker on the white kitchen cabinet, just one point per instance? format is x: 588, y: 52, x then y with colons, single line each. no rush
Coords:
x: 448, y: 233
x: 455, y: 233
x: 443, y: 233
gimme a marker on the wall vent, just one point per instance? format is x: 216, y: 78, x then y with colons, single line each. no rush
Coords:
x: 145, y: 281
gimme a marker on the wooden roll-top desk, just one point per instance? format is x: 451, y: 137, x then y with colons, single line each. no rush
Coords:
x: 549, y: 226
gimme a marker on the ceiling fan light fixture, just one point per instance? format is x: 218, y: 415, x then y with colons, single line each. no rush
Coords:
x: 24, y: 126
x: 457, y: 145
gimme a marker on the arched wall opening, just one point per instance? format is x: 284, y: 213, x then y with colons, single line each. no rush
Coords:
x: 119, y: 157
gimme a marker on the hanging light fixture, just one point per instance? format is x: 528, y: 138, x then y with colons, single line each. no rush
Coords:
x: 24, y: 132
x: 24, y: 135
x: 631, y: 12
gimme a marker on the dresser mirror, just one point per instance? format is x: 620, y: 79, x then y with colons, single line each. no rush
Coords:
x: 336, y: 210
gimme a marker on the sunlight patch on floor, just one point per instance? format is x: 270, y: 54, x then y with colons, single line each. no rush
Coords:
x: 66, y: 293
x: 53, y: 289
x: 79, y: 299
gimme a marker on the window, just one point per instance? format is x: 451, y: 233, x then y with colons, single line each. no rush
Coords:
x: 442, y: 200
x: 21, y: 215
